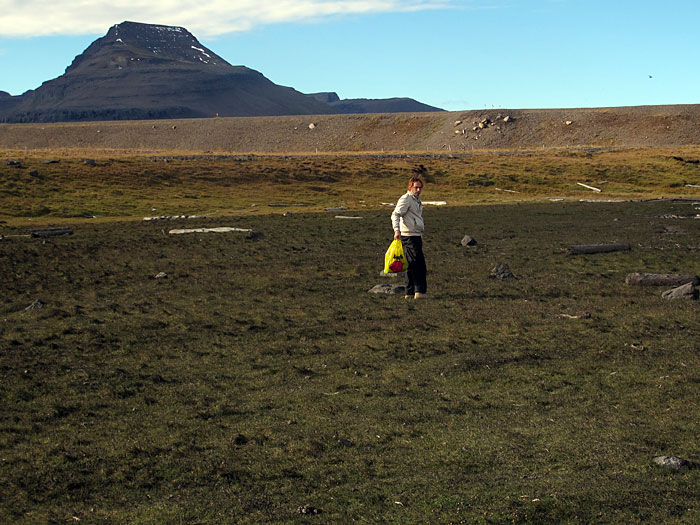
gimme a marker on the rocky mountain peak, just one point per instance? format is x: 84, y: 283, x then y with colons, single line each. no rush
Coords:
x: 133, y: 44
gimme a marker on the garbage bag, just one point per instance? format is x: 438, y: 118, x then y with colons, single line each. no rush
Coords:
x: 395, y: 260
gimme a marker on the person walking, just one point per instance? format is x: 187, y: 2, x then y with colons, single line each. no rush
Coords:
x: 407, y: 221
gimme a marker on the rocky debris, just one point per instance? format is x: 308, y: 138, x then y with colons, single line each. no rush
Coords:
x: 468, y: 241
x: 568, y: 122
x: 90, y: 162
x: 687, y: 291
x: 502, y: 271
x: 389, y: 289
x: 457, y: 122
x: 661, y: 279
x: 36, y: 305
x: 675, y: 463
x: 33, y: 173
x: 346, y: 442
x: 161, y: 275
x: 312, y: 125
x: 52, y: 161
x: 14, y: 164
x: 308, y: 510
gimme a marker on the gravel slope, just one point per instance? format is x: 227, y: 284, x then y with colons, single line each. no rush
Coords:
x: 635, y: 126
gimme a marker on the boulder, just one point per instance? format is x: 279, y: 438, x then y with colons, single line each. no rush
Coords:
x: 674, y: 463
x: 255, y: 236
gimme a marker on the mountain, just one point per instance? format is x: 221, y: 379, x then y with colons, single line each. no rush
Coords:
x: 144, y: 71
x: 372, y: 105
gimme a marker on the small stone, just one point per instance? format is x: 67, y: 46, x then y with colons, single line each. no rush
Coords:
x: 308, y: 510
x: 346, y: 442
x: 240, y: 439
x: 36, y: 305
x: 468, y: 241
x: 161, y: 275
x: 389, y: 289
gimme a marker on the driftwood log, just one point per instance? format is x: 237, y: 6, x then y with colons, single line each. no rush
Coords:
x: 52, y: 232
x: 584, y: 249
x: 661, y: 279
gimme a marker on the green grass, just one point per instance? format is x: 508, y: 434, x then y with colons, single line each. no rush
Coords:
x: 229, y: 391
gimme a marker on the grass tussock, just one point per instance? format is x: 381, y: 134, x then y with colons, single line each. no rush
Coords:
x: 260, y: 376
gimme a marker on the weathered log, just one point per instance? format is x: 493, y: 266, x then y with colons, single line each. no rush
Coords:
x: 687, y: 292
x: 52, y: 233
x: 661, y: 279
x: 583, y: 249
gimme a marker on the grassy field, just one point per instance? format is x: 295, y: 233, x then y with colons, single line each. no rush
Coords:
x: 127, y: 186
x: 260, y: 376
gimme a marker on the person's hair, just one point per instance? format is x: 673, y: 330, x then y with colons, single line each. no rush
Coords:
x: 413, y: 180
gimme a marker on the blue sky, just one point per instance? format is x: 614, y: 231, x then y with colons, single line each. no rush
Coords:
x: 453, y: 54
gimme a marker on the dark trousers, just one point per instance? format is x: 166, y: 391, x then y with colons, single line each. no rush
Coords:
x: 416, y: 273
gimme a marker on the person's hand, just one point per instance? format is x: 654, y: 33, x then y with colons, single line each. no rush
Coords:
x: 397, y: 236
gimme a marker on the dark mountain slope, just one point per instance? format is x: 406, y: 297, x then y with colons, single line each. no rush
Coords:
x: 142, y: 71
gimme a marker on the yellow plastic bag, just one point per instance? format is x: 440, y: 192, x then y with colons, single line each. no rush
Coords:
x: 395, y: 260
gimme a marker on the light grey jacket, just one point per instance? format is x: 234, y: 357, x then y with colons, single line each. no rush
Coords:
x: 407, y: 217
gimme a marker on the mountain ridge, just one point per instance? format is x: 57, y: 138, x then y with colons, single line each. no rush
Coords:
x: 144, y: 71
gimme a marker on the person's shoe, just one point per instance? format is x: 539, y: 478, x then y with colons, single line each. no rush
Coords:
x: 420, y: 296
x: 408, y: 297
